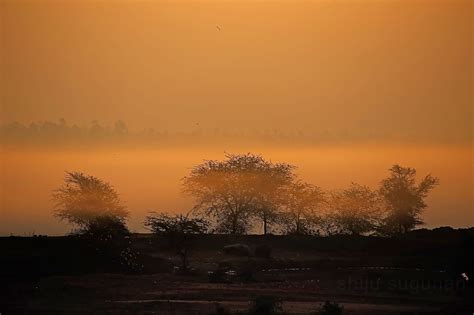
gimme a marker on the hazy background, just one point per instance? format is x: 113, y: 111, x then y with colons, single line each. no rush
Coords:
x: 344, y: 89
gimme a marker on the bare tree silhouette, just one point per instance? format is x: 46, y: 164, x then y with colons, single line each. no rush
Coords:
x: 179, y: 231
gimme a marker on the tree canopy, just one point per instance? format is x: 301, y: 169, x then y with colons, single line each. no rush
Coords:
x: 237, y: 189
x: 242, y: 189
x: 302, y: 205
x: 355, y: 210
x: 404, y: 198
x: 88, y: 202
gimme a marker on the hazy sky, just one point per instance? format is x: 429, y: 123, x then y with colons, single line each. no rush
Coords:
x: 380, y: 66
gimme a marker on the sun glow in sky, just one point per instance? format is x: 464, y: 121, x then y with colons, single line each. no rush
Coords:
x: 392, y: 78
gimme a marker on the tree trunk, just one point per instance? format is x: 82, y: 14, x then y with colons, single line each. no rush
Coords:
x: 234, y: 225
x: 265, y: 223
x: 184, y: 258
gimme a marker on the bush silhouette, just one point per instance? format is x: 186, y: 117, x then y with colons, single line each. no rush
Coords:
x: 330, y: 308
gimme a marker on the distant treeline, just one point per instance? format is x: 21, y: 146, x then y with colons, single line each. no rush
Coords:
x: 62, y: 133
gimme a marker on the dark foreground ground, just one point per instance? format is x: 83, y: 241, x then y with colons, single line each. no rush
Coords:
x: 420, y: 273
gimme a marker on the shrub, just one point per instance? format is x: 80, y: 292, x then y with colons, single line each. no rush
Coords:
x: 179, y: 230
x: 330, y: 308
x: 104, y: 229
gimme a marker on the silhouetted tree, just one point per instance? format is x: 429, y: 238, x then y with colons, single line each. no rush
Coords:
x: 303, y: 204
x: 179, y: 230
x: 94, y: 207
x: 91, y: 204
x: 404, y: 198
x: 271, y: 183
x: 355, y: 210
x: 238, y: 188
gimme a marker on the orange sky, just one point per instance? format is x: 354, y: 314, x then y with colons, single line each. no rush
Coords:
x: 378, y: 67
x: 403, y: 66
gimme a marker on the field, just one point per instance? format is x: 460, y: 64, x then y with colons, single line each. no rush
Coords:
x: 419, y: 273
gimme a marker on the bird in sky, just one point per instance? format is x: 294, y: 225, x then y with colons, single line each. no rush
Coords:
x: 218, y: 27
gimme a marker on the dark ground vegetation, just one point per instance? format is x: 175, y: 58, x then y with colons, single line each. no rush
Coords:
x: 416, y: 273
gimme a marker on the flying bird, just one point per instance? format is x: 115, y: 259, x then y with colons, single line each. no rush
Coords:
x: 218, y: 27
